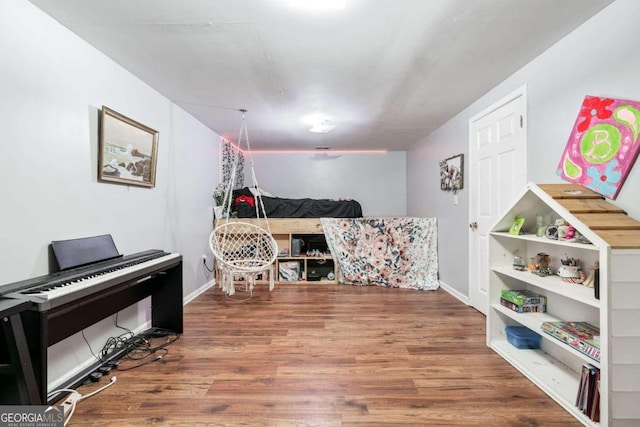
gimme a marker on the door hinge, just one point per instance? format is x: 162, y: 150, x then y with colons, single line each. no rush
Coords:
x: 521, y: 121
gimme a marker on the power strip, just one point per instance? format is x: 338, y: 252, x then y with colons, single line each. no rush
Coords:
x: 69, y: 404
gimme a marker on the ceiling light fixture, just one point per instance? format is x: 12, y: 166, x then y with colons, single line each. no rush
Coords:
x: 318, y: 5
x: 322, y: 127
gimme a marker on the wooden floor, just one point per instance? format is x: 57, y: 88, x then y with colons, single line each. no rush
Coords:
x: 325, y: 355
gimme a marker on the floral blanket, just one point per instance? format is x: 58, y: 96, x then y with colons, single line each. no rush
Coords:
x: 393, y: 252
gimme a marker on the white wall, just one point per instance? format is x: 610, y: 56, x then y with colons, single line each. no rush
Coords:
x: 451, y: 211
x: 376, y: 180
x: 52, y: 87
x: 599, y: 58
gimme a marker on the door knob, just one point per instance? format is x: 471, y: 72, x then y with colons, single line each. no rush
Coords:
x: 473, y: 225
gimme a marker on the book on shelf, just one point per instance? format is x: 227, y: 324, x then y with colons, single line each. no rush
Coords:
x: 588, y: 397
x: 582, y: 387
x: 523, y: 297
x: 580, y: 335
x: 525, y: 308
x: 595, y: 409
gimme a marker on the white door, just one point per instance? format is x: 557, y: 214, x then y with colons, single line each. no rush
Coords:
x: 498, y: 173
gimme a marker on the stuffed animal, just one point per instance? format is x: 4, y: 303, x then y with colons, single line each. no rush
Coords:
x: 562, y: 232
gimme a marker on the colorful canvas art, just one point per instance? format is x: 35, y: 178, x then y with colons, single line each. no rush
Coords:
x: 603, y: 145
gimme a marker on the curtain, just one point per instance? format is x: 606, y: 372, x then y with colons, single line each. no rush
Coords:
x: 393, y: 252
x: 231, y: 155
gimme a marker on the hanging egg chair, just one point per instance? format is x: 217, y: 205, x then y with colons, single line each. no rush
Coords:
x: 243, y: 250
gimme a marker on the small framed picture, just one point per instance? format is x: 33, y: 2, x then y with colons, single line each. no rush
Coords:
x: 127, y: 152
x: 451, y: 173
x: 516, y: 227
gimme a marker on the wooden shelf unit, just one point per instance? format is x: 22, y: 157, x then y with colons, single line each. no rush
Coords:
x: 286, y: 229
x: 555, y: 367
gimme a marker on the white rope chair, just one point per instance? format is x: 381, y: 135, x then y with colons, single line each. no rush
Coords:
x: 243, y: 249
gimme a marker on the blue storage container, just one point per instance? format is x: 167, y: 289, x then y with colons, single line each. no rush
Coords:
x: 522, y: 337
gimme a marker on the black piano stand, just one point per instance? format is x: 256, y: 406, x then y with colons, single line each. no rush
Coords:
x: 16, y: 368
x: 29, y: 332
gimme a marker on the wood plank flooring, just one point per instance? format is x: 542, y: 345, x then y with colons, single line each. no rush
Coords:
x: 325, y: 355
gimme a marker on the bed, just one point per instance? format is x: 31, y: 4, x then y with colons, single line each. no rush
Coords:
x: 394, y: 252
x: 277, y: 207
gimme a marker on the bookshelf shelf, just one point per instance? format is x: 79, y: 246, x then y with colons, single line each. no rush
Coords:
x: 554, y: 378
x: 534, y: 322
x: 556, y: 367
x: 534, y: 238
x: 552, y: 284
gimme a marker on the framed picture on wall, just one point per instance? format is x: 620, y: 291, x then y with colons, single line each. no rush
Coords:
x: 451, y: 173
x: 127, y: 152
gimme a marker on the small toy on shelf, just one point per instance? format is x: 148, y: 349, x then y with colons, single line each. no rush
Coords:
x: 576, y: 237
x: 570, y: 271
x: 562, y: 232
x: 518, y: 263
x: 542, y: 265
x: 556, y: 231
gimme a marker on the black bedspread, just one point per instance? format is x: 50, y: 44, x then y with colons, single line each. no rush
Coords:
x: 276, y: 207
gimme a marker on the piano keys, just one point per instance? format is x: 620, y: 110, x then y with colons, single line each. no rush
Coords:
x: 71, y: 285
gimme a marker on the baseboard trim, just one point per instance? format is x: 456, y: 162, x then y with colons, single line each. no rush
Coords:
x: 456, y: 293
x: 195, y: 294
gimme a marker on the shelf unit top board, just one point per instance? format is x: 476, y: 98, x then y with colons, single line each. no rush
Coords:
x: 588, y: 206
x: 609, y: 222
x: 568, y: 191
x: 286, y: 225
x: 621, y: 239
x: 296, y: 226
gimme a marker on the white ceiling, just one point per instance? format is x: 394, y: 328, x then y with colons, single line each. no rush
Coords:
x: 385, y: 72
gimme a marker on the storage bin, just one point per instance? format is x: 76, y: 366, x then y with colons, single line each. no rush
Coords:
x: 522, y: 337
x: 289, y: 271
